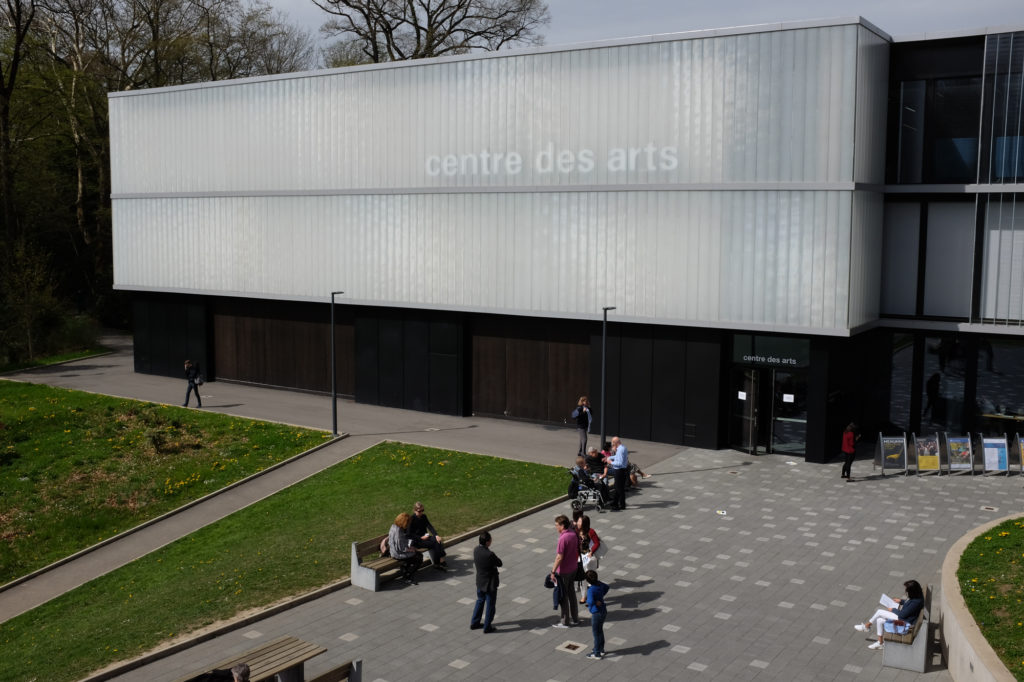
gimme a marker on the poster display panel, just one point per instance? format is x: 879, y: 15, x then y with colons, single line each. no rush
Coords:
x: 927, y: 449
x: 995, y: 454
x: 893, y: 452
x: 960, y: 453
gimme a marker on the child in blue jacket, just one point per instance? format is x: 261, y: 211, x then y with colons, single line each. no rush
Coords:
x: 598, y: 612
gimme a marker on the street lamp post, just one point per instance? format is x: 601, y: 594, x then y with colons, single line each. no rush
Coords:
x: 334, y: 375
x: 604, y: 355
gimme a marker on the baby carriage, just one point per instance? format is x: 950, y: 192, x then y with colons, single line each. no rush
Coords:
x: 583, y: 490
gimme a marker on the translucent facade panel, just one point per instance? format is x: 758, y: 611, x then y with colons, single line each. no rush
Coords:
x: 949, y: 271
x: 766, y: 259
x: 872, y: 96
x: 1002, y: 121
x: 901, y: 234
x: 1002, y: 295
x: 773, y: 106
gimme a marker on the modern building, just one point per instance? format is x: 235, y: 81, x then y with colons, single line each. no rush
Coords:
x: 798, y: 225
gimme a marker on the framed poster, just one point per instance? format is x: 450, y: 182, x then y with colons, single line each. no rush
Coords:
x: 927, y: 449
x: 893, y: 451
x: 960, y: 455
x: 995, y: 454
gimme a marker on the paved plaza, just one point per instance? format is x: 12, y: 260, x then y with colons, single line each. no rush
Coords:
x: 724, y: 567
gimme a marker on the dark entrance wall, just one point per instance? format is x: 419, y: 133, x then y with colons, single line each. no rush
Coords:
x: 530, y: 368
x: 275, y: 343
x: 411, y: 359
x: 663, y: 384
x: 170, y: 329
x: 282, y: 343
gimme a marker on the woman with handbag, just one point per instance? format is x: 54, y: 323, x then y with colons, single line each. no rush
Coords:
x: 589, y: 543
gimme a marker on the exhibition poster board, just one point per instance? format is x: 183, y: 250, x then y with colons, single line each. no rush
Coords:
x: 892, y: 452
x: 927, y: 450
x: 995, y: 454
x: 961, y: 456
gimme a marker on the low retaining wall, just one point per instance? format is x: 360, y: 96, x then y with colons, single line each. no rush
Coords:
x: 966, y: 651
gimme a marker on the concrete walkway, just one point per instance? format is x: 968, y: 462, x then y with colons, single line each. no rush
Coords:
x: 725, y: 567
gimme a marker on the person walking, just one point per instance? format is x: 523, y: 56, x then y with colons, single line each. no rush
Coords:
x: 850, y: 438
x: 584, y: 417
x: 194, y: 382
x: 598, y: 612
x: 486, y: 563
x: 564, y: 569
x: 618, y: 464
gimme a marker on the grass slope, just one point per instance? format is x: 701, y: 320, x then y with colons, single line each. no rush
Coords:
x: 292, y: 542
x: 991, y: 579
x: 76, y: 468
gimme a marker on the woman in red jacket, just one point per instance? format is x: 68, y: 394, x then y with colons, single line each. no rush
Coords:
x: 850, y: 438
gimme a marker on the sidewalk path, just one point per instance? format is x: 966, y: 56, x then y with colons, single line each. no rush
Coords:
x: 114, y: 375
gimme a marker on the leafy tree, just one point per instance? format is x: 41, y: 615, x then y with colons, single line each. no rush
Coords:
x: 393, y: 30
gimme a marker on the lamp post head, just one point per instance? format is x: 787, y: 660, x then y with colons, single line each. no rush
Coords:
x: 607, y: 308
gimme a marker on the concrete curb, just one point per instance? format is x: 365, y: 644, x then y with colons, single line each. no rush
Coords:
x: 145, y: 524
x: 968, y: 654
x: 127, y: 666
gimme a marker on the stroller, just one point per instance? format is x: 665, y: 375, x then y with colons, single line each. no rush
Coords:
x: 583, y: 491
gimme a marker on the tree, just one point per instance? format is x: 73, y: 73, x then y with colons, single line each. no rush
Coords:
x: 393, y: 30
x: 16, y: 17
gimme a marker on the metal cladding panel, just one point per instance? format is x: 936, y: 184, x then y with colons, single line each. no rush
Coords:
x: 774, y: 106
x: 872, y: 102
x: 865, y: 275
x: 775, y: 258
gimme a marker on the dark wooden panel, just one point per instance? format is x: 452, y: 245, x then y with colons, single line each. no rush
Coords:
x: 667, y: 384
x: 366, y: 333
x: 225, y: 339
x: 526, y: 379
x: 703, y: 391
x: 635, y: 391
x: 568, y: 377
x: 416, y: 358
x: 489, y: 370
x: 390, y: 363
x: 444, y: 384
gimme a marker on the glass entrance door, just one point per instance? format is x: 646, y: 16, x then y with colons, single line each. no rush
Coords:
x: 789, y: 412
x: 768, y: 411
x: 745, y: 411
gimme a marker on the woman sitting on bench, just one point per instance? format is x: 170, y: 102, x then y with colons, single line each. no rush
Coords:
x: 400, y: 547
x: 898, y: 619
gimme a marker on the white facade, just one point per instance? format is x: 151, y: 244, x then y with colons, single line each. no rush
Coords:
x: 712, y: 179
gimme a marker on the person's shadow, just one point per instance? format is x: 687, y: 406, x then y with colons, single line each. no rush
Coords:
x: 641, y: 649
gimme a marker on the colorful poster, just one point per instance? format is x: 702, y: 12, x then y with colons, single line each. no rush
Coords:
x: 927, y: 453
x: 894, y: 453
x: 995, y: 454
x: 959, y: 452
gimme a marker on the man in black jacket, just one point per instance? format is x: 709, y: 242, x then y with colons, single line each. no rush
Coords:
x: 487, y: 563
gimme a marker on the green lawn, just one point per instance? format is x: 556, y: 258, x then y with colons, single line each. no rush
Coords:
x: 54, y: 359
x: 295, y: 541
x: 76, y: 468
x: 991, y: 578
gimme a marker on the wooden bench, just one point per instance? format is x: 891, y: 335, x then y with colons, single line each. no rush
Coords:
x: 910, y: 651
x: 369, y: 567
x: 283, y: 657
x: 349, y: 672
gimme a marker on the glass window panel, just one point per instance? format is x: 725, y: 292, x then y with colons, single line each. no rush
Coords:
x: 899, y: 387
x: 1000, y: 395
x: 942, y: 399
